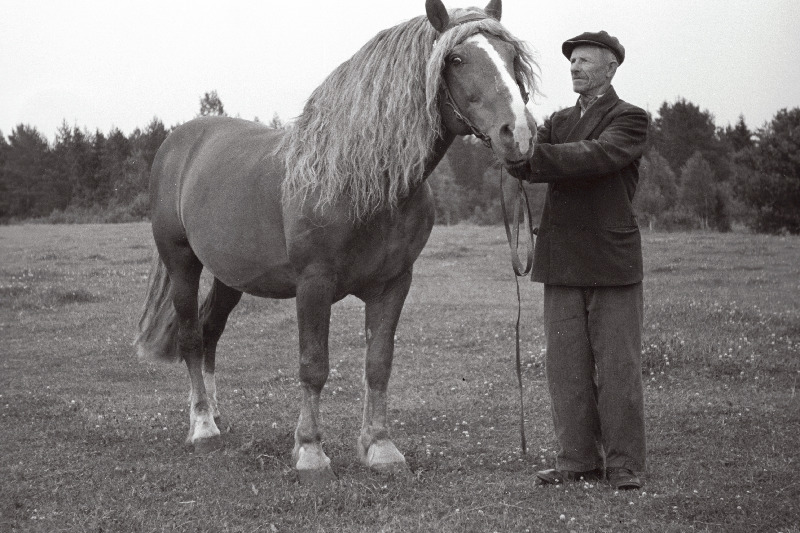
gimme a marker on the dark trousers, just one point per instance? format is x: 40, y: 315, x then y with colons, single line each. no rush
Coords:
x: 594, y: 374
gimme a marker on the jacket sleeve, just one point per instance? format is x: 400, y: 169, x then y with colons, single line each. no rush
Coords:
x: 543, y: 132
x: 621, y: 143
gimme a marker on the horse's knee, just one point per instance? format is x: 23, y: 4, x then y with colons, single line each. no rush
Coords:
x: 314, y: 373
x: 377, y: 374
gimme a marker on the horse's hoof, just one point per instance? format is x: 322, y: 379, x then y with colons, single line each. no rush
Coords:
x: 208, y: 444
x: 384, y: 457
x: 321, y: 476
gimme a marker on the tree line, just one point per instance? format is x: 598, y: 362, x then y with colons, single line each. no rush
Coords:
x: 694, y: 175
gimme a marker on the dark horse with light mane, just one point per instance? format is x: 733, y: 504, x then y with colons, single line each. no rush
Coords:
x: 335, y: 205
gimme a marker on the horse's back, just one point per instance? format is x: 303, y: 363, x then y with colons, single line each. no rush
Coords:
x: 215, y: 184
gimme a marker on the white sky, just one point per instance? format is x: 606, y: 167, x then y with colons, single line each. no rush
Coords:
x: 98, y: 64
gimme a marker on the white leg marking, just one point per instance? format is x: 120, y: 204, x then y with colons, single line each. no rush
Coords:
x: 211, y: 393
x: 522, y: 133
x: 201, y: 423
x: 375, y: 449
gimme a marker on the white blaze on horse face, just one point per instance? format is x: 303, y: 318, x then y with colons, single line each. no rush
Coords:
x: 522, y: 132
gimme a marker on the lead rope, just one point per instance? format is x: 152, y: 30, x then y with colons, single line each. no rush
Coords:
x: 512, y: 234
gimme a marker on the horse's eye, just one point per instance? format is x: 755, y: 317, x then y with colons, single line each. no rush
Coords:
x: 455, y: 60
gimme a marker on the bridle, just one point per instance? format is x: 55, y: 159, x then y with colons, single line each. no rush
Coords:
x: 450, y: 101
x: 461, y: 117
x: 521, y: 206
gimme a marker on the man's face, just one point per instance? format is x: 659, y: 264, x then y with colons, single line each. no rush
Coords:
x: 592, y: 70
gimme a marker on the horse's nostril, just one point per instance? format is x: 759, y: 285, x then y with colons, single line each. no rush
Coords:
x: 506, y: 129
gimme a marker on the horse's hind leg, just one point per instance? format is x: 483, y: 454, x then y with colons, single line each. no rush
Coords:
x: 184, y: 271
x: 213, y: 316
x: 382, y: 312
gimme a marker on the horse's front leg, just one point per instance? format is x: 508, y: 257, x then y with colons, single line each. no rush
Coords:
x: 375, y: 449
x: 315, y: 290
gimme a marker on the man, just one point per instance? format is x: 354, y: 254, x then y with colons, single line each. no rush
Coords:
x: 589, y: 257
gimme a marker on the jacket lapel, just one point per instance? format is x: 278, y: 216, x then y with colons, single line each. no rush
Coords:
x: 568, y: 120
x: 584, y: 127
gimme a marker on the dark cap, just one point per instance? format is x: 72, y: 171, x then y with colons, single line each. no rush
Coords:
x: 601, y: 39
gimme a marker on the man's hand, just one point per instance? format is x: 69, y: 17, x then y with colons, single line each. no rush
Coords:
x: 521, y: 171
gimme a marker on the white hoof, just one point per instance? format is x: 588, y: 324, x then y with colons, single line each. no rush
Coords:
x: 383, y: 456
x: 312, y: 465
x: 203, y: 432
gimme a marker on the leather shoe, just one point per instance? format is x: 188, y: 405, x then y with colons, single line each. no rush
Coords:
x: 555, y: 476
x: 623, y: 479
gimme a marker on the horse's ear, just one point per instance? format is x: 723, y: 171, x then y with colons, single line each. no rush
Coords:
x: 494, y: 9
x: 437, y: 14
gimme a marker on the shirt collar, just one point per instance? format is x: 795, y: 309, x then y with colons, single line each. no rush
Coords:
x: 586, y: 102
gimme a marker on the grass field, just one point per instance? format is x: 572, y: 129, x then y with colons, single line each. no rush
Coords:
x: 91, y: 439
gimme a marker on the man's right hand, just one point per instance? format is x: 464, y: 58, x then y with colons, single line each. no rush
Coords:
x: 521, y: 172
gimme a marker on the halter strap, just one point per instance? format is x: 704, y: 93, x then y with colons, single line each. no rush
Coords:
x: 463, y: 118
x: 471, y: 16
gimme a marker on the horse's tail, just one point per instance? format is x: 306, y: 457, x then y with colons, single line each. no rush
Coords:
x: 158, y: 327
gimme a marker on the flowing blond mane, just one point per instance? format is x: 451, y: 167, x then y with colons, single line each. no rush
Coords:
x: 367, y: 130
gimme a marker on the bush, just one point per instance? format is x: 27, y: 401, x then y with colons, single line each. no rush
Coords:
x: 486, y: 215
x: 74, y: 215
x: 679, y: 219
x: 113, y: 214
x: 140, y: 206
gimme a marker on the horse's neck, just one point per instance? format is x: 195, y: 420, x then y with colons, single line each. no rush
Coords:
x: 440, y: 147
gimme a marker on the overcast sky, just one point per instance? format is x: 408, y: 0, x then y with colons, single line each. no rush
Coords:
x: 104, y: 64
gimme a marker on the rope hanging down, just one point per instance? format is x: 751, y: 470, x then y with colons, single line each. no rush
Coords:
x: 520, y: 206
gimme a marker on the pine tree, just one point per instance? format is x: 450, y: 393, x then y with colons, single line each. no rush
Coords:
x: 4, y: 185
x: 448, y: 195
x: 115, y: 160
x: 738, y: 137
x: 210, y: 104
x: 26, y: 173
x: 769, y: 177
x: 697, y: 191
x: 681, y: 129
x: 276, y: 123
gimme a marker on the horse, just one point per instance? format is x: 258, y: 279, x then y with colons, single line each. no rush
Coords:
x: 335, y: 205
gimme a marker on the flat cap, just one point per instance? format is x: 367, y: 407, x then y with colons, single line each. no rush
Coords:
x: 602, y: 39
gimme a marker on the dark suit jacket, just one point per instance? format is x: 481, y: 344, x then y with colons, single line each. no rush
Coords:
x: 588, y: 234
